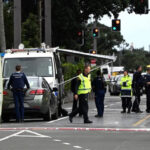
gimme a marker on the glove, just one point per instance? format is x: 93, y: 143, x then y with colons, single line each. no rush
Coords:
x: 124, y: 83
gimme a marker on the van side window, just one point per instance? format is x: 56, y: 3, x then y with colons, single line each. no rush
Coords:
x: 105, y: 71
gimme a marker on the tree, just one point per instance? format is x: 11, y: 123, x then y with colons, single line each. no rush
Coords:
x: 2, y: 31
x: 138, y: 57
x: 30, y: 32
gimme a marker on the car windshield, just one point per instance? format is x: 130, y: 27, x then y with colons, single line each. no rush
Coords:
x: 41, y: 67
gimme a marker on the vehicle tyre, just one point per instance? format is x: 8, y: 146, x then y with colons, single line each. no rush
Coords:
x: 5, y: 118
x: 47, y: 116
x: 111, y: 93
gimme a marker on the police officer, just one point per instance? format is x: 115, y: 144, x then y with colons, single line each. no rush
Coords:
x: 99, y: 87
x: 73, y: 83
x: 17, y: 81
x: 147, y: 88
x: 126, y: 92
x: 137, y: 83
x: 82, y: 90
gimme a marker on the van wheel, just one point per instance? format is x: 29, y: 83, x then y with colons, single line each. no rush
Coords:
x: 5, y: 118
x: 55, y: 115
x: 47, y: 116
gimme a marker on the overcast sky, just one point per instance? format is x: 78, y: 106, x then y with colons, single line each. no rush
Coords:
x: 135, y: 28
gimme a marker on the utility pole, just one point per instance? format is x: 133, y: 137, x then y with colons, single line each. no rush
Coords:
x: 17, y: 23
x: 40, y: 19
x: 2, y: 29
x: 48, y: 23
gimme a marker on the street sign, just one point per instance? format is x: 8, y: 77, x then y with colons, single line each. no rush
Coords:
x: 1, y: 88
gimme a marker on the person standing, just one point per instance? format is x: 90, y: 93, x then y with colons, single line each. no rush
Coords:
x: 137, y: 84
x: 73, y: 83
x: 18, y: 81
x: 82, y: 90
x: 126, y: 92
x: 147, y: 88
x: 99, y: 88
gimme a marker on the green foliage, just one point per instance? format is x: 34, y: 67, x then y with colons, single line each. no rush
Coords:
x: 30, y: 32
x: 138, y: 57
x: 70, y: 70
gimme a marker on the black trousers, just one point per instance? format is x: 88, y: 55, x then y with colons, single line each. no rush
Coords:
x: 126, y: 103
x: 148, y: 100
x: 75, y: 105
x: 83, y: 107
x: 136, y: 103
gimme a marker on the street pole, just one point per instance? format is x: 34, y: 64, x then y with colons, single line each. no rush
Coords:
x: 48, y: 24
x: 2, y: 30
x: 40, y: 19
x: 17, y: 23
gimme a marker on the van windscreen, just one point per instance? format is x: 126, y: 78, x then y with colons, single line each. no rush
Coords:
x: 41, y: 67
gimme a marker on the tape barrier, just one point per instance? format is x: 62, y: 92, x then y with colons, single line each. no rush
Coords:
x: 69, y: 80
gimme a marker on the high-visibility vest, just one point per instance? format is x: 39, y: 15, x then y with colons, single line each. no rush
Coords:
x: 85, y: 86
x: 128, y: 88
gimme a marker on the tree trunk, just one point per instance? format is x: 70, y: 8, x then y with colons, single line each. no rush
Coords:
x: 2, y: 31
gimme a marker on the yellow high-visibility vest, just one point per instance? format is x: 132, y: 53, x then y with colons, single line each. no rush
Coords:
x: 85, y: 86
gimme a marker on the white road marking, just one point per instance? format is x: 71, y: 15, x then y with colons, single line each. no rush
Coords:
x: 35, y: 134
x: 10, y: 136
x: 56, y: 140
x: 69, y: 108
x: 77, y: 147
x: 57, y: 120
x: 66, y: 143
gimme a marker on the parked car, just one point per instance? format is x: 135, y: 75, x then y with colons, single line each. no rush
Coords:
x: 39, y: 101
x: 114, y: 86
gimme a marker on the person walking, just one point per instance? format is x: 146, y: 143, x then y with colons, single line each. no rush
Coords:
x: 18, y: 81
x: 82, y: 90
x: 99, y: 88
x: 73, y: 83
x: 137, y: 84
x: 126, y: 92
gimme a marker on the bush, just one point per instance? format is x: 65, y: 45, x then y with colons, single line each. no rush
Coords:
x: 70, y: 70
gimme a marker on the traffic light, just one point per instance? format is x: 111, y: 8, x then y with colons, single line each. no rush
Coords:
x: 116, y: 25
x: 95, y: 32
x: 80, y: 37
x: 92, y: 51
x: 141, y: 6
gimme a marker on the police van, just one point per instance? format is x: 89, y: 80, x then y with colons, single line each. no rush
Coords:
x: 43, y: 62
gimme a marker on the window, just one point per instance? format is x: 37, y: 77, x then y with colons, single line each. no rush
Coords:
x: 41, y: 67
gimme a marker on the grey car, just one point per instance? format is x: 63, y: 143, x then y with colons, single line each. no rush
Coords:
x: 39, y: 101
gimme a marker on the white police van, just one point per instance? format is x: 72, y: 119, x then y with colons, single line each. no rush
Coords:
x: 42, y: 62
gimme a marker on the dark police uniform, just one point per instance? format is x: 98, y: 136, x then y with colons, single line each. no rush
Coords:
x: 138, y: 82
x: 82, y: 89
x: 99, y: 87
x: 17, y: 81
x: 147, y: 88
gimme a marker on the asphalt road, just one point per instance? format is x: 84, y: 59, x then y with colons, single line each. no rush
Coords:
x: 115, y: 131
